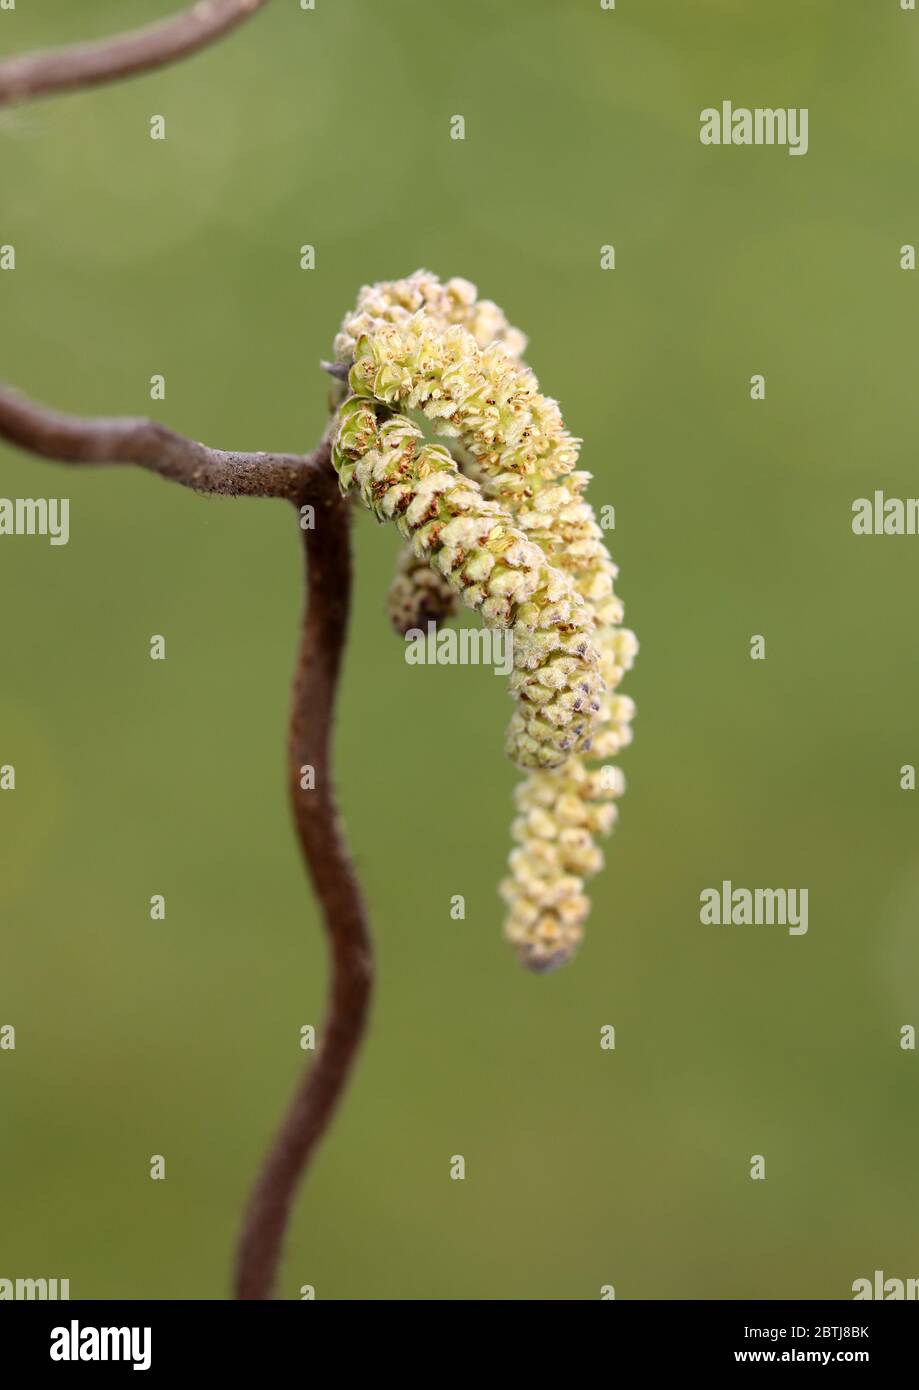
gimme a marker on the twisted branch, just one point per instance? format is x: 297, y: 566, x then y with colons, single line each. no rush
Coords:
x: 124, y: 55
x: 325, y: 623
x: 301, y: 479
x: 82, y: 440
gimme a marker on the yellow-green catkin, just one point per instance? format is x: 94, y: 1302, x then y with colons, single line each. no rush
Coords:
x: 493, y: 407
x: 561, y: 816
x: 489, y: 563
x: 513, y: 443
x: 419, y: 594
x: 453, y: 303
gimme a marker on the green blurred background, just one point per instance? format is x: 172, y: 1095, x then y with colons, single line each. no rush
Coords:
x: 134, y: 777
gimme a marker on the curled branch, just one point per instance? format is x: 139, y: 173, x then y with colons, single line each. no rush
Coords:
x: 299, y: 479
x: 84, y: 440
x: 307, y: 478
x: 123, y: 55
x: 325, y: 623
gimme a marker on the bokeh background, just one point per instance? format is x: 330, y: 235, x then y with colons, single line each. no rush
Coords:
x: 181, y: 1038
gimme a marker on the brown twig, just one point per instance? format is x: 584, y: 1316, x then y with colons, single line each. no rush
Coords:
x: 301, y: 479
x: 78, y: 439
x: 328, y: 565
x: 340, y: 370
x: 123, y: 55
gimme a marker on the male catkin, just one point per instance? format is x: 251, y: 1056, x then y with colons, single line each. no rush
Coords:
x: 503, y: 523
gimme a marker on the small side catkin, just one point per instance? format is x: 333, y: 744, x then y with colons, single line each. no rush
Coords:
x: 418, y: 595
